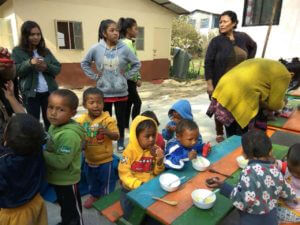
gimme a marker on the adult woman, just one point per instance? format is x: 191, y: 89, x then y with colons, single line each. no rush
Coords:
x: 112, y: 58
x: 36, y: 68
x: 224, y: 52
x: 248, y: 87
x: 128, y: 32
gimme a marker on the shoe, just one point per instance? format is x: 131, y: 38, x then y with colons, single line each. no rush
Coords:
x: 220, y: 138
x: 120, y: 147
x: 89, y: 202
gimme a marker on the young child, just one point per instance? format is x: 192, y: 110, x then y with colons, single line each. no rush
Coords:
x: 141, y: 160
x: 101, y: 130
x: 180, y: 110
x: 186, y: 146
x: 289, y: 212
x: 261, y: 183
x: 159, y: 138
x: 22, y: 173
x: 63, y: 152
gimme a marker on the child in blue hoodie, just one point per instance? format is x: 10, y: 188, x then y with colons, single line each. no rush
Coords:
x: 112, y: 58
x: 180, y: 110
x: 186, y: 146
x: 22, y: 172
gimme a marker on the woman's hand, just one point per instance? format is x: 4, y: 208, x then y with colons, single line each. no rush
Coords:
x: 210, y: 87
x: 139, y: 83
x: 39, y: 64
x: 9, y: 89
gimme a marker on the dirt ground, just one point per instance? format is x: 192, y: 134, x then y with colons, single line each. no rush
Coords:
x: 169, y: 89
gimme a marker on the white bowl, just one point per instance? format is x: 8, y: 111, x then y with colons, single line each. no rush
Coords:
x: 199, y: 195
x: 242, y: 162
x: 200, y: 163
x: 169, y: 182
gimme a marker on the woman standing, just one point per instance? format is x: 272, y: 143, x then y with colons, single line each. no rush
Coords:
x: 36, y: 68
x: 250, y: 86
x: 128, y: 32
x: 224, y: 52
x: 112, y: 58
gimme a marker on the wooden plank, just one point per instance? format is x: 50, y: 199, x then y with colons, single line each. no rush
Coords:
x: 107, y: 200
x: 285, y: 138
x: 223, y: 205
x: 143, y: 195
x: 167, y: 214
x: 293, y: 122
x: 113, y: 212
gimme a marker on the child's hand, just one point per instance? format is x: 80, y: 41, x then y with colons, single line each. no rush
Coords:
x: 171, y: 128
x: 206, y: 149
x: 295, y: 201
x: 192, y: 154
x: 158, y: 153
x: 213, y: 182
x: 103, y: 131
x: 9, y: 89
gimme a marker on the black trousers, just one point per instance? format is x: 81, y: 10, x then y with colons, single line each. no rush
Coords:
x: 68, y: 198
x: 120, y: 110
x: 134, y: 103
x: 34, y: 105
x: 235, y: 129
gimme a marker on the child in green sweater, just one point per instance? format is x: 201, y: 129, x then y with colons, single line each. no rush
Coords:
x: 63, y: 153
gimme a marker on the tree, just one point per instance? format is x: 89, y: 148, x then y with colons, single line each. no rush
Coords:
x: 185, y: 36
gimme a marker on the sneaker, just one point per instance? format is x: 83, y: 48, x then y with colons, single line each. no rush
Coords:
x: 89, y: 202
x: 220, y: 138
x: 120, y: 147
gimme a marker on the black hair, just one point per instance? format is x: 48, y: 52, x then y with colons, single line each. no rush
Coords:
x: 104, y: 24
x: 24, y: 134
x: 233, y: 17
x: 151, y: 115
x: 186, y: 124
x: 92, y: 91
x: 72, y: 99
x: 24, y: 39
x: 146, y: 124
x: 256, y: 143
x: 293, y: 156
x: 124, y: 24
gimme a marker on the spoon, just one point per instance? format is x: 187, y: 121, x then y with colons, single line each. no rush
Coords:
x: 211, y: 194
x: 165, y: 201
x: 174, y: 181
x: 214, y: 171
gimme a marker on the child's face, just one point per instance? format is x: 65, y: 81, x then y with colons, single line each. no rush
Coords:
x: 112, y: 33
x: 58, y: 111
x: 147, y: 138
x: 294, y: 170
x: 94, y: 105
x: 188, y: 138
x: 176, y: 117
x: 133, y: 31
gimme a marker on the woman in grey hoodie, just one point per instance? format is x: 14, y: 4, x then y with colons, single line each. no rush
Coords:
x: 112, y: 58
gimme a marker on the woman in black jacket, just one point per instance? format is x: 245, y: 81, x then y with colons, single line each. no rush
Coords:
x: 224, y: 52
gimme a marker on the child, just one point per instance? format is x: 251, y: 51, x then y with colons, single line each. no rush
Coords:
x: 101, y: 130
x: 112, y: 58
x: 63, y: 153
x: 261, y: 184
x: 159, y: 138
x: 141, y: 160
x: 180, y: 110
x: 22, y: 173
x: 186, y: 146
x: 128, y: 29
x: 289, y: 212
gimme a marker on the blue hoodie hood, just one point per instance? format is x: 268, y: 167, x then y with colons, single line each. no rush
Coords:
x: 183, y: 108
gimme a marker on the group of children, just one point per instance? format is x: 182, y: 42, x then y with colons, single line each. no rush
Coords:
x: 25, y: 155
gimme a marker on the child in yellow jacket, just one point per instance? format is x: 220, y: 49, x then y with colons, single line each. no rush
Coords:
x: 101, y: 130
x: 142, y: 159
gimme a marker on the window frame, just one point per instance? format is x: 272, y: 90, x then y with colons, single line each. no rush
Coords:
x: 69, y: 35
x: 140, y: 39
x: 260, y: 23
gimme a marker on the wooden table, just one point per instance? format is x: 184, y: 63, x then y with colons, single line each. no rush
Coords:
x: 223, y: 158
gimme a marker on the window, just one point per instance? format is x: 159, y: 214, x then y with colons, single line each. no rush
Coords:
x: 204, y: 23
x: 6, y: 34
x: 215, y: 21
x: 140, y: 39
x: 259, y: 12
x: 69, y: 35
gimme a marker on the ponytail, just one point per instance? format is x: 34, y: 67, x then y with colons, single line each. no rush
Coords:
x: 124, y: 24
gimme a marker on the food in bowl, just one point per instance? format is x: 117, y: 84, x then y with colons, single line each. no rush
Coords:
x: 210, y: 181
x: 200, y: 163
x: 203, y: 198
x: 242, y: 162
x: 169, y: 182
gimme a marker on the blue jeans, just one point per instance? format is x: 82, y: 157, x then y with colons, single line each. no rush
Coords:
x: 101, y: 179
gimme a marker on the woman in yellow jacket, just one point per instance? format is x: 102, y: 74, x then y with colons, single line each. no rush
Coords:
x: 242, y: 91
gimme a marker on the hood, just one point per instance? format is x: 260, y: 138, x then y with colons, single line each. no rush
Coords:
x: 119, y: 45
x: 183, y: 108
x: 133, y: 141
x: 74, y: 126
